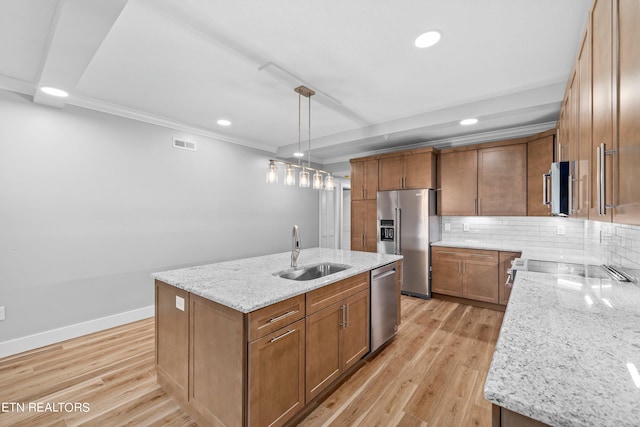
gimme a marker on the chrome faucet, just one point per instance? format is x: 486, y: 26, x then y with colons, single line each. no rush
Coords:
x: 295, y: 246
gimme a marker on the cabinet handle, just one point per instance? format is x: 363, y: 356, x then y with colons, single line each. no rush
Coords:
x: 363, y: 194
x: 459, y: 267
x: 282, y: 316
x: 570, y: 207
x: 343, y: 316
x: 464, y: 267
x: 289, y: 332
x: 600, y: 178
x: 475, y: 206
x: 363, y: 238
x: 545, y: 188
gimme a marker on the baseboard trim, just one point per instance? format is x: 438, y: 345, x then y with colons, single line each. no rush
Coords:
x: 30, y: 342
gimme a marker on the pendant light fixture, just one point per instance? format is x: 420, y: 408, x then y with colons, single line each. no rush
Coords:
x: 289, y: 174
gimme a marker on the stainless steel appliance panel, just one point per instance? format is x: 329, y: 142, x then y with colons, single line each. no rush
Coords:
x: 384, y: 305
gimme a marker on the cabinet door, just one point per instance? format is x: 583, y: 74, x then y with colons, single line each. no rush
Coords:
x: 505, y: 263
x: 323, y: 348
x: 480, y: 278
x: 358, y: 225
x: 355, y: 329
x: 446, y: 276
x: 539, y: 159
x: 277, y: 376
x: 458, y: 181
x: 419, y: 171
x: 370, y: 179
x: 627, y: 202
x: 602, y: 75
x: 391, y: 173
x: 371, y: 226
x: 357, y: 180
x: 502, y: 180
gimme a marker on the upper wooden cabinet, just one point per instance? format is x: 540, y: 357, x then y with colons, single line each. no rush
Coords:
x: 407, y: 171
x: 458, y: 183
x: 364, y: 179
x: 539, y: 159
x: 583, y: 165
x: 502, y: 180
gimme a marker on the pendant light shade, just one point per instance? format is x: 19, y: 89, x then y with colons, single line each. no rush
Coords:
x: 272, y: 172
x: 304, y: 178
x: 329, y: 185
x: 317, y: 180
x: 289, y: 176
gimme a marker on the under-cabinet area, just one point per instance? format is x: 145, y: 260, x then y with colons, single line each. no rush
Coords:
x: 233, y: 367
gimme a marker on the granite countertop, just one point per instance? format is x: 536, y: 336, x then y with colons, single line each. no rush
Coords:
x: 249, y: 284
x: 566, y: 350
x: 529, y: 252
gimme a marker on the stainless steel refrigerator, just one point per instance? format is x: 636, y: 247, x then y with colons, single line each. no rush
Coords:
x: 407, y: 224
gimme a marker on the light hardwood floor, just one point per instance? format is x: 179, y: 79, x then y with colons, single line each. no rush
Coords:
x: 432, y: 374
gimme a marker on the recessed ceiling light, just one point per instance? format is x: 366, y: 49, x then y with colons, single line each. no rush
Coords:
x: 54, y: 91
x: 467, y: 122
x: 224, y: 122
x: 428, y: 39
x: 298, y: 154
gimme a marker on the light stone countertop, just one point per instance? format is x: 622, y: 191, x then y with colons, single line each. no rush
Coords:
x: 565, y: 351
x: 249, y: 284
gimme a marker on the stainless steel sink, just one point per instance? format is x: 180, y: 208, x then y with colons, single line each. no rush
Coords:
x: 311, y: 272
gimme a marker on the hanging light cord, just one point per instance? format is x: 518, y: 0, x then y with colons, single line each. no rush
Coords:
x: 309, y: 162
x: 299, y: 120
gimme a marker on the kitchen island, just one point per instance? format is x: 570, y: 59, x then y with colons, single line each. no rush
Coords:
x: 238, y: 345
x: 568, y: 353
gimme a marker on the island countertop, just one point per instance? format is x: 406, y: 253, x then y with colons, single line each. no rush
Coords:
x: 249, y: 284
x: 568, y: 350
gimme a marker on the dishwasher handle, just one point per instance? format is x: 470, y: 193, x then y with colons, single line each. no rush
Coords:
x: 378, y: 276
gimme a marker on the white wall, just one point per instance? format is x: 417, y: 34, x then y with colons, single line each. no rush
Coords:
x: 91, y: 204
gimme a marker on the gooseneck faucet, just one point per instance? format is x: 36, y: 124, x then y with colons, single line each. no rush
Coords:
x: 295, y: 246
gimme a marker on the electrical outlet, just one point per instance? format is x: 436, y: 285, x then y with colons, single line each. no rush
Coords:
x: 560, y: 230
x: 447, y: 226
x: 2, y: 313
x: 465, y: 226
x: 179, y: 303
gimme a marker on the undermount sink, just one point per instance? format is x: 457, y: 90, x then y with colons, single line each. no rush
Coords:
x: 311, y: 272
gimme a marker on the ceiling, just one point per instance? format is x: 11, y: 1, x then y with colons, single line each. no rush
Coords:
x: 185, y: 64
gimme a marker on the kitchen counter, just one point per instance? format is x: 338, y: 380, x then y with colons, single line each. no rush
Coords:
x: 249, y: 284
x: 529, y: 252
x: 565, y: 351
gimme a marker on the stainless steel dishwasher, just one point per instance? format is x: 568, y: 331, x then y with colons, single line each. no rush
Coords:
x: 384, y: 305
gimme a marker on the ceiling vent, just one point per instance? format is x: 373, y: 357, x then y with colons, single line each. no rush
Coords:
x: 185, y: 145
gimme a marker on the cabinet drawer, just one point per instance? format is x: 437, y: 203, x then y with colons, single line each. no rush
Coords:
x: 442, y: 252
x: 324, y: 297
x: 271, y: 318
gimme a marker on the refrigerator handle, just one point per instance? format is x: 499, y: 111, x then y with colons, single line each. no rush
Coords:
x: 398, y: 231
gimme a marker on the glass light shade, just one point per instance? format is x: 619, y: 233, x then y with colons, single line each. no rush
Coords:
x: 289, y: 176
x: 329, y: 185
x: 304, y: 178
x: 317, y: 180
x: 272, y: 173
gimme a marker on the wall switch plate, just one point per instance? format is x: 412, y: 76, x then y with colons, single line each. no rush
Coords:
x: 447, y: 226
x: 465, y: 226
x: 560, y: 230
x: 2, y: 313
x: 179, y: 303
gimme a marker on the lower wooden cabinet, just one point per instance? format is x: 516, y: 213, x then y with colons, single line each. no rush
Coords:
x: 502, y: 417
x: 364, y: 219
x: 277, y: 370
x: 465, y: 273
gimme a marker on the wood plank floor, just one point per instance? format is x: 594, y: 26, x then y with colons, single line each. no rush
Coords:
x: 432, y: 374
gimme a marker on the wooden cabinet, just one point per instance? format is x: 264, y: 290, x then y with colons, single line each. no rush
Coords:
x: 502, y: 180
x: 172, y: 346
x: 503, y: 417
x: 627, y: 160
x: 539, y: 159
x: 277, y: 370
x: 407, y: 171
x: 337, y: 327
x: 504, y: 264
x: 364, y: 179
x: 364, y: 218
x: 458, y: 183
x: 465, y: 273
x: 583, y: 165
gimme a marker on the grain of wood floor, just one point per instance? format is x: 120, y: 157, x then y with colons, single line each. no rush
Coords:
x: 432, y: 374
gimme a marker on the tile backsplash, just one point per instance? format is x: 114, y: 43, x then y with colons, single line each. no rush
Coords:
x: 614, y: 244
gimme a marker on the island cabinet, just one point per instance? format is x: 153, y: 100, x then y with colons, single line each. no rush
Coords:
x: 407, y: 171
x: 502, y: 417
x: 337, y: 331
x: 228, y: 368
x: 466, y: 273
